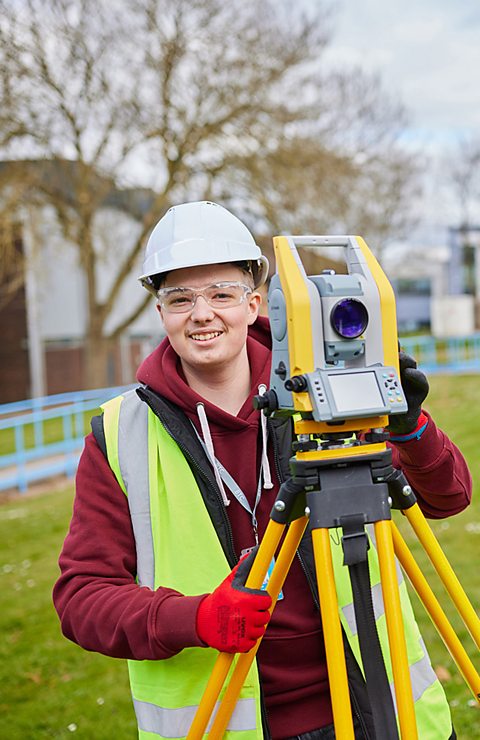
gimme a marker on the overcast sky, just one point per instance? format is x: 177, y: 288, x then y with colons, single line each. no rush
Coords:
x: 428, y: 54
x: 427, y: 51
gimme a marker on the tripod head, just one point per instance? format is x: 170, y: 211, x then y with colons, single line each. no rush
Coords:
x: 334, y: 340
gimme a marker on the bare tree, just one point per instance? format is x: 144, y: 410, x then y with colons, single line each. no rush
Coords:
x: 11, y: 259
x: 191, y: 99
x: 465, y: 177
x: 464, y: 174
x: 14, y: 191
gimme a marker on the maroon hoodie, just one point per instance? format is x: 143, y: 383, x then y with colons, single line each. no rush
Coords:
x: 101, y: 607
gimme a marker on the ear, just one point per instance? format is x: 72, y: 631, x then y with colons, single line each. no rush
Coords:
x: 254, y: 302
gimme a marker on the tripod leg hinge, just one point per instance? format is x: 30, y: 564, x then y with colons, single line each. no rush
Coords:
x: 290, y: 502
x: 399, y: 489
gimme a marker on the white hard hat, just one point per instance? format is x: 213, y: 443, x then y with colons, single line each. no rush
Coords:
x: 200, y: 233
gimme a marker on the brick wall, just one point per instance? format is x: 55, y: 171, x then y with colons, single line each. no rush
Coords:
x: 65, y: 366
x: 14, y: 367
x: 64, y: 369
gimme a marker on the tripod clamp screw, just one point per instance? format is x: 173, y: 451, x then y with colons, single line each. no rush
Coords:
x: 407, y: 490
x: 279, y: 505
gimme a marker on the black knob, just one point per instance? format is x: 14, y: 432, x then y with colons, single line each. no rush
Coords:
x: 267, y: 403
x: 296, y: 384
x: 281, y: 370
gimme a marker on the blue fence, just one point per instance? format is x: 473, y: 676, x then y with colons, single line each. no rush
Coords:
x: 453, y: 355
x: 26, y: 452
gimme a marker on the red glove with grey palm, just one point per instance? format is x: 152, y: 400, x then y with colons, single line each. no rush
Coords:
x: 233, y: 617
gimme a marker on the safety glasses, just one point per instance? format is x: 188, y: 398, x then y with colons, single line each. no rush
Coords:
x: 218, y: 295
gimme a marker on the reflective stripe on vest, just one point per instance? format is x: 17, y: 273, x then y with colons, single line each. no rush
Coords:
x: 133, y: 469
x: 175, y: 723
x: 133, y: 461
x: 422, y: 676
x: 378, y: 608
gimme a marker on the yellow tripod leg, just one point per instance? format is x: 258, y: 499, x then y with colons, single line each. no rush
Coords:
x: 444, y: 570
x: 214, y: 685
x: 224, y: 661
x: 396, y: 635
x: 337, y: 671
x: 275, y: 584
x: 437, y: 615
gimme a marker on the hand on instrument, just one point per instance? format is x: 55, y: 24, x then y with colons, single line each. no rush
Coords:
x: 233, y: 617
x: 415, y: 386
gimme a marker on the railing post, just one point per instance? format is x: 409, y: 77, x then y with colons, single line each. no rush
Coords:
x: 22, y: 479
x: 70, y: 463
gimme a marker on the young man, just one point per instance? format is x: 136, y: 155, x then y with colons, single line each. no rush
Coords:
x: 178, y: 480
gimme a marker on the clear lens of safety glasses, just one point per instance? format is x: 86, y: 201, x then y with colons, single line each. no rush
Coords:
x: 219, y: 295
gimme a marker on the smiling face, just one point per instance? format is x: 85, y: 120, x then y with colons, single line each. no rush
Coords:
x: 207, y: 338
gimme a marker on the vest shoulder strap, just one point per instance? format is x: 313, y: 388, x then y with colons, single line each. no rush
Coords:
x: 99, y: 432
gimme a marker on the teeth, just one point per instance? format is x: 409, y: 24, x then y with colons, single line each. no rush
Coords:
x: 205, y: 337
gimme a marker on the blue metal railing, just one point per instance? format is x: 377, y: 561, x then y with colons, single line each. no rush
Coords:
x: 452, y: 355
x: 26, y: 453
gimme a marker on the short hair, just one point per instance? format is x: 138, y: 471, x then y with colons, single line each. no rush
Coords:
x: 155, y: 282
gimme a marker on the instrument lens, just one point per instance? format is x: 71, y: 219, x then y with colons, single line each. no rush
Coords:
x: 349, y: 318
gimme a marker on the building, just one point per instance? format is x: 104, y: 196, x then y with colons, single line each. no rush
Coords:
x: 43, y: 321
x: 436, y: 286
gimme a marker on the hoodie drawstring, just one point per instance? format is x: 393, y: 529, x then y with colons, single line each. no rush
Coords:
x: 207, y: 437
x: 267, y: 477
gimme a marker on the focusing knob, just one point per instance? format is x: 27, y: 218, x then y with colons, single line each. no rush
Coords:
x: 296, y: 384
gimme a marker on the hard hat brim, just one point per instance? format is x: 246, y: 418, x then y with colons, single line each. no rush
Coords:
x: 188, y: 256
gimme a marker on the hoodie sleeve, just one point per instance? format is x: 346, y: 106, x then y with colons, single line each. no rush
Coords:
x: 100, y: 605
x: 436, y: 470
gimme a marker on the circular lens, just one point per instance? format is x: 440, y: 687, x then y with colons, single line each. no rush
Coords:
x: 349, y: 318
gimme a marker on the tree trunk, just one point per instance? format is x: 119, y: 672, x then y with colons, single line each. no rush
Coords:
x: 97, y: 370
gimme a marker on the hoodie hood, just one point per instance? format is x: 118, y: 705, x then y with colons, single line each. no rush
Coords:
x: 162, y: 372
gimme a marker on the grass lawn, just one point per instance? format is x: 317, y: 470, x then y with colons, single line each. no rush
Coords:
x: 50, y: 687
x: 53, y: 689
x: 451, y: 401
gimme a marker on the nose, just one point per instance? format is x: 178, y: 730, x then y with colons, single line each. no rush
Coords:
x: 201, y: 311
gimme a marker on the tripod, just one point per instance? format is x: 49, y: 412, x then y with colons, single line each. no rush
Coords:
x: 348, y: 488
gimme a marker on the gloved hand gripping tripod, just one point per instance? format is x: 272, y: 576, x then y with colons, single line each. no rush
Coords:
x: 340, y: 483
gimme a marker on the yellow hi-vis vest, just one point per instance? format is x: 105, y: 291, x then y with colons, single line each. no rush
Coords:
x: 177, y: 547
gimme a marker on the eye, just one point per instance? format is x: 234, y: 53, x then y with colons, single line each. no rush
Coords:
x: 178, y: 299
x: 223, y: 295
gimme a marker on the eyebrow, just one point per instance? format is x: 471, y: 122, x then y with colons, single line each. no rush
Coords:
x: 202, y: 287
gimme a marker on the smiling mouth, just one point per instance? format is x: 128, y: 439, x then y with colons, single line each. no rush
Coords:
x: 205, y: 337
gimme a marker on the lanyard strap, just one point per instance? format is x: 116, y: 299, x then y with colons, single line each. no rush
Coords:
x: 235, y: 489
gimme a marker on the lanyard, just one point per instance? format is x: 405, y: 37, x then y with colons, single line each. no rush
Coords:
x: 235, y: 488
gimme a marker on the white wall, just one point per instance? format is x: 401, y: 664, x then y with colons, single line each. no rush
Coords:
x: 452, y: 315
x: 61, y: 283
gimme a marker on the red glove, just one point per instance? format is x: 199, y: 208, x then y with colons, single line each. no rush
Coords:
x: 232, y: 618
